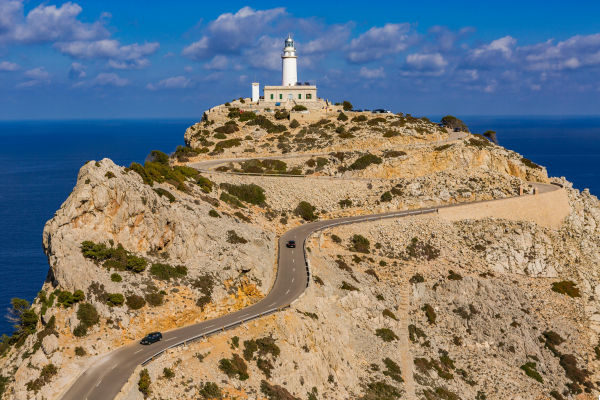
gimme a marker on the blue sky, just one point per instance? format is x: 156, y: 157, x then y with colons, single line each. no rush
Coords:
x: 134, y: 59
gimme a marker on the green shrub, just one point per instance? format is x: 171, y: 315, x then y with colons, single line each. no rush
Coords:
x: 144, y: 383
x: 135, y: 302
x: 306, y: 211
x: 414, y: 333
x: 347, y: 106
x: 115, y: 300
x: 321, y: 162
x: 361, y: 244
x: 251, y: 193
x: 453, y: 122
x: 417, y: 278
x: 154, y: 299
x: 566, y: 287
x: 247, y: 116
x: 336, y: 239
x: 478, y: 141
x: 229, y: 143
x: 275, y: 392
x: 136, y: 264
x: 388, y: 313
x: 393, y: 370
x: 229, y: 128
x: 214, y: 214
x: 299, y: 107
x: 294, y: 124
x: 80, y: 351
x: 109, y: 175
x: 231, y: 200
x: 386, y: 197
x: 206, y: 185
x: 376, y: 121
x: 220, y: 136
x: 342, y: 117
x: 443, y: 147
x: 88, y: 317
x: 234, y: 367
x: 530, y: 164
x: 531, y: 371
x: 162, y: 192
x: 378, y: 390
x: 364, y: 161
x: 347, y: 286
x: 429, y: 313
x: 394, y: 154
x: 168, y: 373
x: 419, y: 250
x: 211, y: 391
x: 359, y: 118
x: 453, y: 276
x: 116, y: 277
x: 165, y: 272
x: 233, y: 238
x: 387, y: 335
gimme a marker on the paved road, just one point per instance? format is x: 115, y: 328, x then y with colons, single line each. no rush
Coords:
x: 104, y: 379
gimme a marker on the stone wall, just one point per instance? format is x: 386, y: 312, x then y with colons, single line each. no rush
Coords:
x: 546, y: 209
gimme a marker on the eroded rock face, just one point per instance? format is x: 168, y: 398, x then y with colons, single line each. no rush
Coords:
x: 127, y: 212
x: 50, y: 344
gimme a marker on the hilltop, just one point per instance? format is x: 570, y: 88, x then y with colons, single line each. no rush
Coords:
x: 435, y: 306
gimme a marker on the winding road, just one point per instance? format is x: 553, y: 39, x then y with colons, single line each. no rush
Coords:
x: 105, y: 378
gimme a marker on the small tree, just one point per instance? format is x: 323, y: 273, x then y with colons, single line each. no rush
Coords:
x: 342, y: 117
x: 491, y: 135
x: 347, y: 105
x: 23, y: 318
x: 158, y: 156
x: 306, y: 211
x: 144, y: 383
x: 453, y: 123
x: 299, y: 107
x: 294, y: 124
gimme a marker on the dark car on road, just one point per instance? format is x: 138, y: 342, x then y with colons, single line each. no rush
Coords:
x: 291, y: 244
x: 151, y: 338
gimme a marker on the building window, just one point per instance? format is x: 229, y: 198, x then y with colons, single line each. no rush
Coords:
x: 280, y: 96
x: 308, y: 96
x: 299, y: 96
x: 271, y: 97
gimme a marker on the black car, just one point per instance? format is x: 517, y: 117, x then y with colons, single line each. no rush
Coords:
x: 291, y: 244
x: 151, y: 338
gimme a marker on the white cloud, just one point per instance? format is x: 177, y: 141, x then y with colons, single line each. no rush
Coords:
x: 377, y: 43
x: 9, y: 66
x: 187, y: 68
x: 266, y: 54
x: 133, y: 64
x: 77, y: 70
x: 106, y: 49
x: 46, y: 24
x: 104, y: 79
x: 219, y: 62
x: 38, y: 73
x: 491, y: 86
x: 503, y: 46
x: 536, y: 87
x: 230, y: 33
x: 179, y: 82
x: 32, y: 84
x: 372, y: 73
x: 571, y: 54
x: 169, y: 55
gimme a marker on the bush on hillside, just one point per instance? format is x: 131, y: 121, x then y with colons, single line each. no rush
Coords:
x: 306, y: 211
x: 115, y: 300
x: 294, y: 124
x: 342, y: 117
x: 251, y: 193
x: 364, y: 161
x: 299, y: 107
x: 135, y: 302
x: 165, y: 272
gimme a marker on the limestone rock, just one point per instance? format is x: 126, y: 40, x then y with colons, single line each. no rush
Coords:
x: 50, y: 344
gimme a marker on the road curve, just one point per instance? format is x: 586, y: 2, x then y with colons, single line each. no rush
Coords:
x: 105, y: 378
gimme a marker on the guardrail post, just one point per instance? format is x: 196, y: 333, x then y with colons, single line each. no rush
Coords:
x: 204, y: 334
x: 223, y: 329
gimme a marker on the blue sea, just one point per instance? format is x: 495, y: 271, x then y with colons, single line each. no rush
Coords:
x: 39, y: 162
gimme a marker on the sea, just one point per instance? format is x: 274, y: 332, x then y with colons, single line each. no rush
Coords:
x: 40, y: 160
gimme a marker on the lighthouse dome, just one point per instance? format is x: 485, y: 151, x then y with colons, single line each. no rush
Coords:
x: 289, y: 42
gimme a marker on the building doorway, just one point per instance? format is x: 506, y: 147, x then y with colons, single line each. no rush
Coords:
x: 290, y: 96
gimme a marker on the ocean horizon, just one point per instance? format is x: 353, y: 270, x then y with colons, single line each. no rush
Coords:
x: 40, y: 160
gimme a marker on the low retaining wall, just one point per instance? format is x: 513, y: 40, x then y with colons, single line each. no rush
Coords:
x: 545, y: 209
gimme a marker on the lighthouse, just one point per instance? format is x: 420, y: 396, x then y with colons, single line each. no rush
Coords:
x: 288, y: 58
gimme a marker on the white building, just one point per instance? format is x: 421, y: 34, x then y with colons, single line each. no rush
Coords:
x: 291, y: 90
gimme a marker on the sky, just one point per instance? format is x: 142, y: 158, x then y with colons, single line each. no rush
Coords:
x: 157, y: 59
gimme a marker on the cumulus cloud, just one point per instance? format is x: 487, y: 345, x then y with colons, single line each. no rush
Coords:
x: 424, y: 64
x: 219, y: 62
x: 266, y: 54
x: 140, y: 63
x: 230, y: 33
x: 106, y: 49
x: 9, y: 66
x: 32, y: 84
x: 187, y: 68
x: 491, y: 55
x: 38, y: 73
x: 377, y: 43
x: 77, y: 70
x: 179, y: 82
x: 372, y: 73
x: 169, y: 55
x: 104, y: 79
x: 573, y: 53
x: 46, y: 24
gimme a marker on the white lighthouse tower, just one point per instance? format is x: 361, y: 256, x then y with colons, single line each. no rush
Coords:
x: 290, y: 73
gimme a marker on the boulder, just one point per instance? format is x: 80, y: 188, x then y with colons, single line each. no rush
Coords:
x: 50, y: 344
